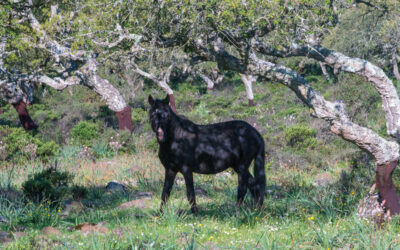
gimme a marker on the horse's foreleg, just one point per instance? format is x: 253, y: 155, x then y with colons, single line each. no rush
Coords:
x: 188, y: 175
x: 168, y: 183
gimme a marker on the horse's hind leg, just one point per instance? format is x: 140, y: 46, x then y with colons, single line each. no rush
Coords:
x: 188, y: 175
x: 243, y: 178
x: 251, y: 185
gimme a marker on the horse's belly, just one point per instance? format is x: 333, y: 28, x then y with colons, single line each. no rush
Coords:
x: 211, y: 166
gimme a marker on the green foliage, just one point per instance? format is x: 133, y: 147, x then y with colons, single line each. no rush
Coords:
x: 301, y: 136
x: 49, y: 184
x: 21, y: 145
x: 152, y: 145
x: 139, y: 115
x: 85, y: 132
x: 101, y: 149
x: 79, y: 192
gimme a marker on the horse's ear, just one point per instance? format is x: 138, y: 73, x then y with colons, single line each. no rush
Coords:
x: 151, y: 100
x: 166, y: 100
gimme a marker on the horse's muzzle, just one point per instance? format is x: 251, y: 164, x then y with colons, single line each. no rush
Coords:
x: 160, y: 134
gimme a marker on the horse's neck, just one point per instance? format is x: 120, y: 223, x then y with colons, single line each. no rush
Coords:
x: 175, y: 124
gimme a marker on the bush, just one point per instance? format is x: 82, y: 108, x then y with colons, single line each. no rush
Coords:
x: 21, y: 145
x: 300, y: 136
x: 84, y: 132
x: 50, y: 184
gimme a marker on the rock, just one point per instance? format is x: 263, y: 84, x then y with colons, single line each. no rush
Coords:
x: 5, y: 237
x: 139, y: 203
x: 323, y: 180
x: 51, y: 231
x: 3, y: 219
x: 18, y: 234
x: 147, y: 195
x: 72, y: 207
x: 87, y: 228
x: 200, y: 191
x: 114, y: 186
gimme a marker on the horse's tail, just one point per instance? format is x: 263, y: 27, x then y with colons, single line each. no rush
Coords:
x: 259, y: 175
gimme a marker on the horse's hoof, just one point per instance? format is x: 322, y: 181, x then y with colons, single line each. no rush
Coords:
x: 195, y: 210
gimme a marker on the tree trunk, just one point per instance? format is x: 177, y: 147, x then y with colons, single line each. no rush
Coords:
x: 251, y: 102
x: 162, y: 83
x: 324, y: 71
x: 172, y: 102
x: 386, y: 188
x: 395, y: 67
x: 26, y: 121
x: 125, y: 119
x: 248, y: 82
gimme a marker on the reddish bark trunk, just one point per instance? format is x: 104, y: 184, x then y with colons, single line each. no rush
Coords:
x: 26, y: 121
x: 251, y: 102
x: 24, y: 117
x: 125, y: 119
x: 172, y: 102
x: 384, y: 183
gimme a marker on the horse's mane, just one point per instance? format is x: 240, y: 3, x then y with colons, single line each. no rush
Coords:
x: 183, y: 122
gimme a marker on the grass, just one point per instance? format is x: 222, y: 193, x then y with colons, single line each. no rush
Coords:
x: 296, y: 214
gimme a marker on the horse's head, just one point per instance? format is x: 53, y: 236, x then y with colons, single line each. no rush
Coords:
x: 160, y: 114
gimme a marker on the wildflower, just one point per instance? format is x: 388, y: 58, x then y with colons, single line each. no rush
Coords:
x: 199, y: 225
x: 311, y: 218
x: 30, y: 214
x: 48, y: 215
x: 383, y: 223
x: 48, y: 202
x: 45, y: 209
x: 378, y: 215
x: 41, y: 205
x: 352, y: 193
x: 43, y: 214
x: 58, y: 211
x: 303, y: 209
x: 30, y: 203
x: 211, y: 237
x: 255, y: 209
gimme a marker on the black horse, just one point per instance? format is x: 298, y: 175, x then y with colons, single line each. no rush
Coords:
x: 207, y: 149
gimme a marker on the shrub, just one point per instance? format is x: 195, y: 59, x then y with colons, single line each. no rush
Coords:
x: 84, y: 132
x: 300, y: 136
x: 139, y: 115
x: 50, y: 184
x: 21, y: 145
